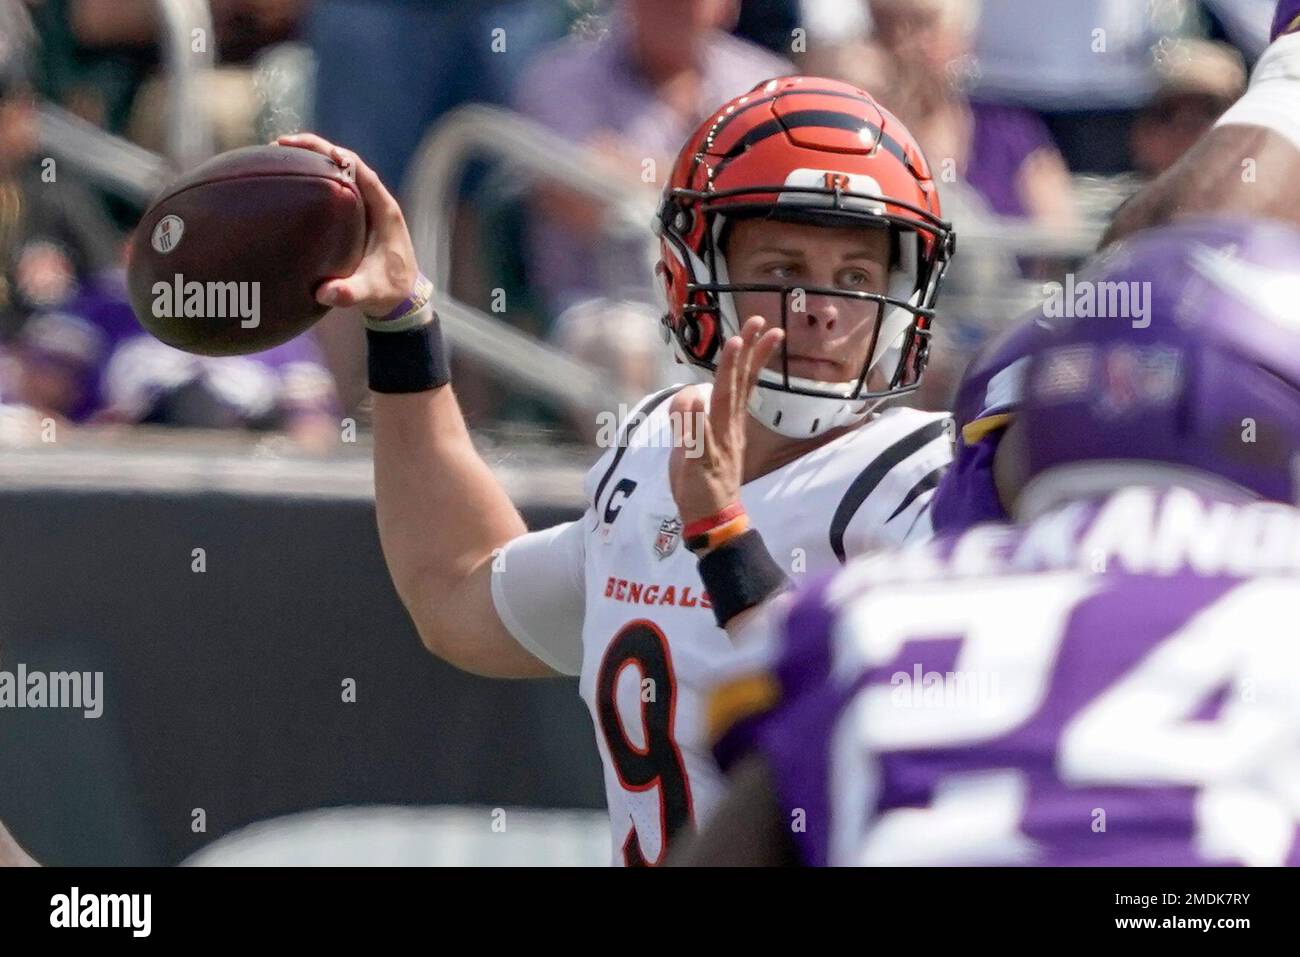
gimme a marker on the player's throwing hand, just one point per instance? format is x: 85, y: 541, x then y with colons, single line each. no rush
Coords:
x: 706, y: 467
x: 388, y: 272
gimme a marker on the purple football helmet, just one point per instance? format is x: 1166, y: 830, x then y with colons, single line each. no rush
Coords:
x: 1184, y: 350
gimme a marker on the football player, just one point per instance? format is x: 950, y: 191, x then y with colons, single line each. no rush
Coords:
x: 1247, y: 165
x: 802, y: 250
x: 1109, y: 681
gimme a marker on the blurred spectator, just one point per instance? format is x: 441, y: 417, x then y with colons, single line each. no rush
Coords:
x: 388, y: 69
x: 920, y: 69
x: 635, y: 94
x: 102, y: 56
x: 1199, y: 80
x: 622, y: 339
x: 92, y: 363
x: 53, y: 366
x: 53, y: 238
x: 95, y: 55
x: 141, y: 380
x: 1086, y: 65
x: 284, y: 389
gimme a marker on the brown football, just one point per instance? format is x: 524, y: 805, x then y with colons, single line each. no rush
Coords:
x: 228, y: 259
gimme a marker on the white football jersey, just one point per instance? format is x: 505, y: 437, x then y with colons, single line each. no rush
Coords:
x: 616, y: 597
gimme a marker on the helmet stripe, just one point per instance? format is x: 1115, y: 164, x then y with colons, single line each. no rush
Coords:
x: 807, y: 118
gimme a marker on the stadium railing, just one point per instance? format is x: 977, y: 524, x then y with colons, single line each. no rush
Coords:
x: 988, y: 245
x: 475, y: 132
x: 189, y: 51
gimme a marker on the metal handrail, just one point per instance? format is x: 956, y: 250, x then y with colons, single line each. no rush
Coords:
x: 189, y: 132
x: 101, y: 158
x: 430, y: 192
x: 477, y: 130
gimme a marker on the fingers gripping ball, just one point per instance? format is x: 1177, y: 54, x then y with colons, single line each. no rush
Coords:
x: 228, y: 260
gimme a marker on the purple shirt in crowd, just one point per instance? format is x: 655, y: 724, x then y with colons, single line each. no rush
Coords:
x: 123, y: 371
x: 1004, y: 137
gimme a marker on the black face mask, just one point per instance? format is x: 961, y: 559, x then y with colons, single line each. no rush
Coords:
x: 911, y: 354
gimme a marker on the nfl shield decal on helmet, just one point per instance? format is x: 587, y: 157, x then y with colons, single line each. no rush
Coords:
x: 669, y: 534
x: 1136, y: 377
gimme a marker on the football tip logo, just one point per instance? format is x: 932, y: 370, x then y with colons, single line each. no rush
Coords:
x: 167, y: 234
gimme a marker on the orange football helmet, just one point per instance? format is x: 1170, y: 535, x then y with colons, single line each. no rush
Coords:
x: 803, y: 149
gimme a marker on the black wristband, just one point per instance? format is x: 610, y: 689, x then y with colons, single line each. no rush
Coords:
x: 740, y: 574
x: 414, y: 360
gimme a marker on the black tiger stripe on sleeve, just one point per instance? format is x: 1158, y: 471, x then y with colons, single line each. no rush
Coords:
x: 634, y: 422
x: 927, y: 483
x: 871, y: 477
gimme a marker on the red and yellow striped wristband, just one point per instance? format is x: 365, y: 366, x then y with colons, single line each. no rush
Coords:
x: 708, y: 533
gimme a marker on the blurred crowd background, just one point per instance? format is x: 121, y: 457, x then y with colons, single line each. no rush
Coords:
x: 528, y: 140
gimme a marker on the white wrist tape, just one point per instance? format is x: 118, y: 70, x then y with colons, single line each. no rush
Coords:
x: 420, y: 316
x: 1273, y: 99
x: 412, y: 313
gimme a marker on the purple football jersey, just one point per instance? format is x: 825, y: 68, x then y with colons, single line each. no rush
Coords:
x: 967, y: 493
x: 989, y: 392
x: 1286, y: 19
x: 1112, y: 683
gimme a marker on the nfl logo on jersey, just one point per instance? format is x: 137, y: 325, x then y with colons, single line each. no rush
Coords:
x: 670, y: 533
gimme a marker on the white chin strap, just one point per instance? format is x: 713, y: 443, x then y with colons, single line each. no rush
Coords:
x: 804, y: 416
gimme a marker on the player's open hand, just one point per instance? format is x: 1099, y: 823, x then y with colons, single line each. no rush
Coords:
x: 388, y: 270
x: 707, y: 464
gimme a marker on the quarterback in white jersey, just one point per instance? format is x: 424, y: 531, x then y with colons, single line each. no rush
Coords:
x: 802, y: 250
x: 616, y: 599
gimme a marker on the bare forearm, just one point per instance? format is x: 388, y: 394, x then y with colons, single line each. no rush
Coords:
x: 441, y: 514
x: 441, y: 511
x: 1233, y: 170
